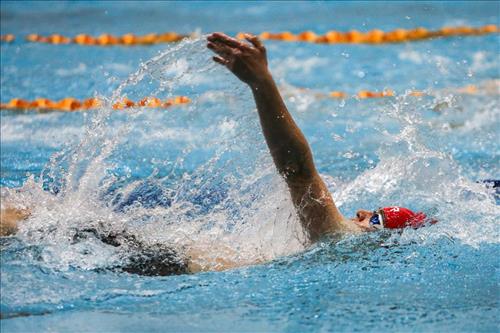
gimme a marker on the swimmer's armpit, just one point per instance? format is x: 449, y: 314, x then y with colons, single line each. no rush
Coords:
x: 9, y: 218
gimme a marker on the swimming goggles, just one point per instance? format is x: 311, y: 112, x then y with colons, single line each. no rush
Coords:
x: 377, y: 220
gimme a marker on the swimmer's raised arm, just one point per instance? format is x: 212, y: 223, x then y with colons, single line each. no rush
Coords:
x: 288, y: 146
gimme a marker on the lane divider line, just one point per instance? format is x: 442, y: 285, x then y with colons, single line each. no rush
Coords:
x: 102, y: 40
x: 69, y: 104
x: 378, y: 36
x: 375, y: 36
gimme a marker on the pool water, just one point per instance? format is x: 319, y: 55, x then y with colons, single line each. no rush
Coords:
x: 201, y: 173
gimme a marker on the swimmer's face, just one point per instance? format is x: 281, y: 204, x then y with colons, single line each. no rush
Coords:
x: 362, y: 220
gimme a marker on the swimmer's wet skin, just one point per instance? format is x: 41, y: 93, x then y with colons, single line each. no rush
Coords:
x: 9, y: 217
x: 293, y: 159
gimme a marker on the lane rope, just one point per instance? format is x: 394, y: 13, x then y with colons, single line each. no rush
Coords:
x: 375, y: 36
x: 102, y: 40
x: 69, y: 104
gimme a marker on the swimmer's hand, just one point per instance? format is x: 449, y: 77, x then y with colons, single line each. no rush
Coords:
x: 247, y: 61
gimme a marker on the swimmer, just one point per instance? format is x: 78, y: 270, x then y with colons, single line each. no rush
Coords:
x: 293, y: 159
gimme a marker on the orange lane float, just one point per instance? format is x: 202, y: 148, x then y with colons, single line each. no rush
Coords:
x: 375, y: 36
x: 58, y: 39
x: 375, y: 94
x: 307, y: 36
x: 169, y: 37
x: 91, y: 103
x: 354, y: 37
x: 70, y: 104
x: 417, y: 93
x: 43, y: 103
x: 337, y: 94
x: 84, y: 39
x: 107, y: 39
x: 7, y: 38
x: 470, y: 89
x: 17, y: 103
x: 35, y: 38
x: 128, y: 39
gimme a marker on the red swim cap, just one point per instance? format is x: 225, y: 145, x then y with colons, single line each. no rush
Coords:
x: 400, y: 217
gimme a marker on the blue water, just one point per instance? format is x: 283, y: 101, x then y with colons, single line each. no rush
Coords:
x: 201, y: 173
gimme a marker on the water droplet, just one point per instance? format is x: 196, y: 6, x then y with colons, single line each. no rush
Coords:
x: 337, y: 137
x: 348, y: 155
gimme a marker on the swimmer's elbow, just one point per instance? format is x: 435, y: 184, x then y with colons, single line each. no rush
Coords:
x: 298, y: 168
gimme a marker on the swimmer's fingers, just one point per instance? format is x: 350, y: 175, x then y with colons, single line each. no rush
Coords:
x: 218, y: 37
x: 220, y: 60
x: 255, y: 42
x: 221, y: 49
x: 224, y: 53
